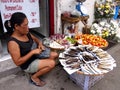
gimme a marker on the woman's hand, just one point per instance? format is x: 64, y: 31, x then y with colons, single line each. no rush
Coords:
x: 36, y: 51
x: 40, y: 46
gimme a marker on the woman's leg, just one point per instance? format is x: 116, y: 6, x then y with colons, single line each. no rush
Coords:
x: 53, y: 55
x: 44, y: 66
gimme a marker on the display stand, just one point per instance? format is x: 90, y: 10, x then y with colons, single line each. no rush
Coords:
x: 73, y: 20
x: 85, y: 72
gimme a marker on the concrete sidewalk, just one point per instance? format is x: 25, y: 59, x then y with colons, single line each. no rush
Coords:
x: 58, y: 79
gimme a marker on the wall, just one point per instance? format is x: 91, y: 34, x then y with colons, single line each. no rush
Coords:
x: 44, y: 18
x: 69, y: 5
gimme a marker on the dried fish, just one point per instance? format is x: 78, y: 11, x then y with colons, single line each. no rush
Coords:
x: 88, y: 59
x: 71, y: 60
x: 75, y: 66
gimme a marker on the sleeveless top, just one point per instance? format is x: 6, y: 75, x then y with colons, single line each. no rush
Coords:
x: 25, y: 47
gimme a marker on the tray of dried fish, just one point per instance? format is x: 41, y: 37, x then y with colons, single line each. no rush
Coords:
x: 70, y: 61
x: 87, y: 59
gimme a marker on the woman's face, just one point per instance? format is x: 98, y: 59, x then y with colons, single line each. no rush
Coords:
x: 23, y: 28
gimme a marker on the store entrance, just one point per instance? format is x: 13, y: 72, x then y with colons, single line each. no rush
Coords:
x: 40, y: 32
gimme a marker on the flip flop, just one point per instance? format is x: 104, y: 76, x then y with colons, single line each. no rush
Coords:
x: 39, y: 84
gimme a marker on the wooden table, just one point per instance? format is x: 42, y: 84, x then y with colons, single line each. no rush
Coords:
x: 73, y: 20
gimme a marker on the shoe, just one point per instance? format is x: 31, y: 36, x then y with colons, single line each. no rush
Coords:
x: 39, y: 84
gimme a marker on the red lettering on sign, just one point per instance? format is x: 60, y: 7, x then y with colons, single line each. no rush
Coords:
x: 6, y: 16
x: 33, y: 20
x: 32, y: 1
x: 13, y: 8
x: 33, y: 13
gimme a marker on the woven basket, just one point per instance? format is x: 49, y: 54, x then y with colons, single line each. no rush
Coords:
x: 79, y: 79
x: 70, y: 19
x: 105, y: 46
x: 58, y: 50
x: 118, y: 2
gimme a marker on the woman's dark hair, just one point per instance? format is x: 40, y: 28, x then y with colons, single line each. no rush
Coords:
x: 8, y: 27
x: 16, y: 18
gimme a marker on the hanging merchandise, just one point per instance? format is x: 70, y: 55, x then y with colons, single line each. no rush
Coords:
x: 81, y: 8
x: 117, y: 10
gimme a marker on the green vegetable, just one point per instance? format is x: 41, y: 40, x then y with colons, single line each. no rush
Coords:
x: 72, y: 40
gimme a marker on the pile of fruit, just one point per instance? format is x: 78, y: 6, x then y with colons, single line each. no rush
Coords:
x: 80, y: 39
x: 92, y: 39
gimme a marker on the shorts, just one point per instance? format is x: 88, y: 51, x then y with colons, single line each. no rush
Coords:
x: 33, y: 67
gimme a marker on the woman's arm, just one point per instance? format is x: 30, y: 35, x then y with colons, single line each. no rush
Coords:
x: 14, y: 51
x: 39, y: 43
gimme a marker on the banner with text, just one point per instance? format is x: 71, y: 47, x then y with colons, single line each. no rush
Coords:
x: 29, y: 7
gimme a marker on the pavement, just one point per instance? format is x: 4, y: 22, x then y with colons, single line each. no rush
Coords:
x: 58, y: 79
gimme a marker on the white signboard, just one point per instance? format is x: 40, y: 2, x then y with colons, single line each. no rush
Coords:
x: 29, y: 7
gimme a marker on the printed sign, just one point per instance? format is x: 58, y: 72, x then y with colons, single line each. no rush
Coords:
x: 29, y: 7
